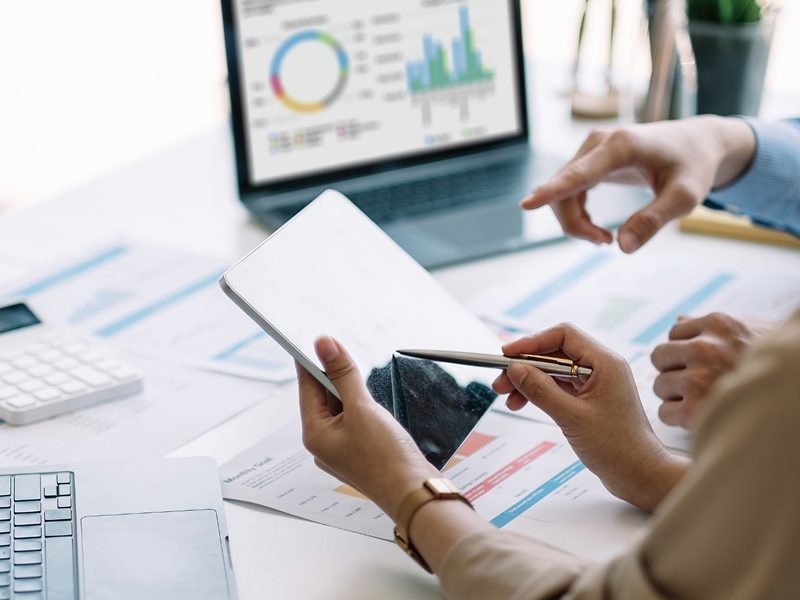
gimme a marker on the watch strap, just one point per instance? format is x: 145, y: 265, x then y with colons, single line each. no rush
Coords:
x: 435, y: 488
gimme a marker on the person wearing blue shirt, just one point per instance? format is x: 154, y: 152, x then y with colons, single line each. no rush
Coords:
x: 744, y: 166
x: 768, y: 191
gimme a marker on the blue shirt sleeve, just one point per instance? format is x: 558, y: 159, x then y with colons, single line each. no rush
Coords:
x: 768, y: 191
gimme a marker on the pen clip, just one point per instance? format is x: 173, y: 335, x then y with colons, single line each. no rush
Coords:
x: 567, y: 362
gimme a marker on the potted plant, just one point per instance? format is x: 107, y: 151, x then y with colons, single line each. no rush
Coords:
x: 731, y: 41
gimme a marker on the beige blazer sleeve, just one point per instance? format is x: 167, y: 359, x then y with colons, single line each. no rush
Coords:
x: 730, y: 530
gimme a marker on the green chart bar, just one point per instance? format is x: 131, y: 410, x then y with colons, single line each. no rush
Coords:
x: 435, y: 73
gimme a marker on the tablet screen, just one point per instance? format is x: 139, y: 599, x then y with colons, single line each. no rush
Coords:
x: 332, y: 271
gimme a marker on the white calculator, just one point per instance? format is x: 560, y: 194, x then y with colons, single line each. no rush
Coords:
x: 45, y: 371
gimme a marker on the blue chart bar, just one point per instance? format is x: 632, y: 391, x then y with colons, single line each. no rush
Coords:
x: 459, y: 64
x: 72, y: 271
x: 232, y: 355
x: 663, y: 324
x: 556, y: 286
x: 544, y: 490
x: 145, y: 312
x: 230, y: 352
x: 103, y: 301
x: 437, y: 70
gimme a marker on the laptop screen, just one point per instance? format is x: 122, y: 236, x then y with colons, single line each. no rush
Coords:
x: 325, y: 86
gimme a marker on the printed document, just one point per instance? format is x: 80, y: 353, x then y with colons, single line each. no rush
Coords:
x: 176, y: 406
x: 521, y: 476
x: 630, y: 302
x: 160, y: 303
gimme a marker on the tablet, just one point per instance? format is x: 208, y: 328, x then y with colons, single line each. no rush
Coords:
x: 332, y: 271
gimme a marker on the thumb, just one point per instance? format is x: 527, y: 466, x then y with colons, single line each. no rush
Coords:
x: 675, y: 200
x: 340, y: 369
x: 540, y: 390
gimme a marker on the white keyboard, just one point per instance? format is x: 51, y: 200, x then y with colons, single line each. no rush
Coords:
x: 54, y: 373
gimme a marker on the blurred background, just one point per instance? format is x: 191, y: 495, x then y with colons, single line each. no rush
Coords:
x: 91, y: 86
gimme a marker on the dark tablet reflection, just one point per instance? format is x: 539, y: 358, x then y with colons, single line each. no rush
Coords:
x: 428, y: 402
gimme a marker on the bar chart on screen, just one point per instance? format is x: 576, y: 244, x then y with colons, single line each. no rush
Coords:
x: 328, y: 84
x: 449, y: 77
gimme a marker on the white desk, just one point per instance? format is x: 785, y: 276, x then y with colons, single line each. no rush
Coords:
x: 186, y: 199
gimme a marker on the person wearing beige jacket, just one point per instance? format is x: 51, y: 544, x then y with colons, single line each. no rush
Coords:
x: 726, y: 524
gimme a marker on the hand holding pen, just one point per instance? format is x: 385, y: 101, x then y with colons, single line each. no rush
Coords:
x: 602, y: 419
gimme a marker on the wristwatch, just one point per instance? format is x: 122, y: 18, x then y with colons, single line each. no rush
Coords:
x: 435, y: 488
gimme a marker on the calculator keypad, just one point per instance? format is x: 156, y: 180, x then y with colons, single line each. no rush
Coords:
x: 58, y: 369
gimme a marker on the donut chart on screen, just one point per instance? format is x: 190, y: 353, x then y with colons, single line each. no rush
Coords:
x: 309, y: 36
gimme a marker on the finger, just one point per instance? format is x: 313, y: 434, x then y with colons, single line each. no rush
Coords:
x: 313, y: 398
x: 672, y: 413
x: 516, y: 401
x: 592, y: 141
x: 589, y: 143
x: 602, y: 236
x: 571, y: 386
x: 580, y: 174
x: 575, y: 221
x: 628, y: 176
x: 675, y: 200
x: 687, y: 328
x: 670, y: 385
x: 503, y: 385
x: 341, y: 370
x: 672, y: 355
x: 540, y: 389
x: 576, y: 344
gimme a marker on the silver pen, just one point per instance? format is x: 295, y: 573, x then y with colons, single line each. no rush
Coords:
x: 562, y: 368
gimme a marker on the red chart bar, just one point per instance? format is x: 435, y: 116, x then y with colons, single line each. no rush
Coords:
x: 517, y: 464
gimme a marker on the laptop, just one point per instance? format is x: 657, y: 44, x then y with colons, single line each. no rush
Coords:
x: 415, y: 110
x: 148, y: 529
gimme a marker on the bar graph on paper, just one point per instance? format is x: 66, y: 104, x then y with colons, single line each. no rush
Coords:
x: 630, y: 303
x: 635, y: 300
x: 158, y: 303
x: 450, y: 74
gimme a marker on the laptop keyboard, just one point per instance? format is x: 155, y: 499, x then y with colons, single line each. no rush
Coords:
x: 433, y: 194
x: 37, y: 537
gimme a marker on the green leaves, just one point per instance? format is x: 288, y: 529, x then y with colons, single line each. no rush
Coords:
x: 726, y: 12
